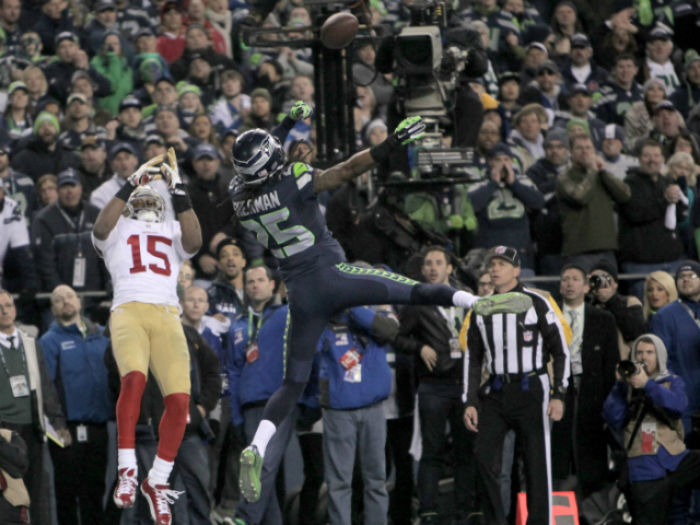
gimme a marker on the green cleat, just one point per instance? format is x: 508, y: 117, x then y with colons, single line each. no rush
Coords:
x: 249, y: 480
x: 505, y: 303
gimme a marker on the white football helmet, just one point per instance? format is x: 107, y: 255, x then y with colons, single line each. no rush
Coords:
x: 146, y: 204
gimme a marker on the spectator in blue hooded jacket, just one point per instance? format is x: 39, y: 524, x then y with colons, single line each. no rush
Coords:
x: 355, y: 378
x: 645, y: 407
x: 74, y: 349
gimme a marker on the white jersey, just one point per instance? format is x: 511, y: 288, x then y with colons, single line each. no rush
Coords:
x: 13, y: 228
x: 665, y: 72
x: 144, y: 259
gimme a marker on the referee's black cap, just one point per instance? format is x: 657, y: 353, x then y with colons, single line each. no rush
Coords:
x: 503, y: 252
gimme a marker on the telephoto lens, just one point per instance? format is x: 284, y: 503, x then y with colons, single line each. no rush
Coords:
x: 628, y: 368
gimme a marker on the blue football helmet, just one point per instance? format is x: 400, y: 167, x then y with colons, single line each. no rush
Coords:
x: 256, y: 156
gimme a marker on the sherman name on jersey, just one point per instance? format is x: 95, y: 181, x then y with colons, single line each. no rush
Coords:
x: 285, y: 217
x: 144, y: 259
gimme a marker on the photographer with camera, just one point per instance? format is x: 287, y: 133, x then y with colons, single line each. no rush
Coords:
x: 627, y: 310
x: 646, y: 405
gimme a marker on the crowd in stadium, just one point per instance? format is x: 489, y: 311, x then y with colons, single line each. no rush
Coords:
x: 586, y: 137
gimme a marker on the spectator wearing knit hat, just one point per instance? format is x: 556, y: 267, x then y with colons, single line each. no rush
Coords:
x: 587, y: 196
x: 546, y: 226
x: 146, y: 46
x: 43, y: 154
x: 501, y: 202
x: 616, y: 161
x: 261, y: 111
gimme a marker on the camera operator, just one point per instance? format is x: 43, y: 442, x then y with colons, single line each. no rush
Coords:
x: 646, y: 406
x: 627, y: 310
x: 467, y: 107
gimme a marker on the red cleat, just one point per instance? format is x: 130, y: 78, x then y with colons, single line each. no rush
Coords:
x: 159, y: 498
x: 125, y: 493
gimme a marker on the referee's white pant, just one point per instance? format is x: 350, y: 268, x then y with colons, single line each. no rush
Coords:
x: 526, y: 413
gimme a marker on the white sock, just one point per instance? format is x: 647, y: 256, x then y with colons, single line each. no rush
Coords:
x: 126, y: 458
x: 160, y: 472
x: 464, y: 299
x: 266, y: 429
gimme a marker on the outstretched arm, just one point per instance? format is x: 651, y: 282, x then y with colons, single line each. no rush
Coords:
x: 407, y: 131
x: 189, y: 223
x: 108, y: 217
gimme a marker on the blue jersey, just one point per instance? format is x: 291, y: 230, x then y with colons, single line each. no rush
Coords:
x: 284, y: 215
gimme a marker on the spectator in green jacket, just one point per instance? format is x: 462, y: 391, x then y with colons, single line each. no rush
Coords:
x: 111, y: 62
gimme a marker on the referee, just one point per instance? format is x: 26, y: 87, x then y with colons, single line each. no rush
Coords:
x: 517, y: 348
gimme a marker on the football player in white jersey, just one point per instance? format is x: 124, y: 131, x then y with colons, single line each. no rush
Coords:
x: 144, y: 253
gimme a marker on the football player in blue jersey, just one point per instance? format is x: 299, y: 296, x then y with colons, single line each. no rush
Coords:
x: 276, y: 200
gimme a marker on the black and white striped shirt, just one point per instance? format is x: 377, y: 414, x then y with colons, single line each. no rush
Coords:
x: 516, y: 344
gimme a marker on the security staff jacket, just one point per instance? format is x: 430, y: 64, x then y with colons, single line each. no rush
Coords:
x: 354, y: 369
x: 75, y: 361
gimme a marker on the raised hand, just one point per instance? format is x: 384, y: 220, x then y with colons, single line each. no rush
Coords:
x: 147, y: 172
x: 410, y: 129
x: 172, y: 173
x: 300, y: 110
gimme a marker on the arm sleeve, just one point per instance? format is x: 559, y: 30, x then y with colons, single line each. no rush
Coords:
x: 13, y: 456
x: 210, y: 376
x: 473, y: 359
x: 615, y: 405
x: 405, y: 343
x: 617, y: 189
x: 283, y: 129
x: 525, y: 190
x: 45, y: 256
x: 553, y: 334
x: 103, y: 247
x: 578, y: 194
x: 673, y: 399
x: 630, y: 319
x: 382, y: 328
x: 104, y: 86
x: 52, y: 407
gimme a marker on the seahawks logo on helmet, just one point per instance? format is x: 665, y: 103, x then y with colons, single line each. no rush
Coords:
x: 257, y: 155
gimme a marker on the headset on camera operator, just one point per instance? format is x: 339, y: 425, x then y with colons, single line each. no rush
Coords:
x: 463, y: 52
x: 627, y: 310
x: 645, y: 406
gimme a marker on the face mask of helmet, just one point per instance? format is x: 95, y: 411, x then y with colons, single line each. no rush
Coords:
x: 146, y: 205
